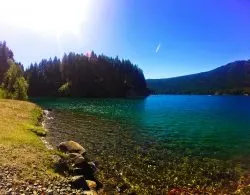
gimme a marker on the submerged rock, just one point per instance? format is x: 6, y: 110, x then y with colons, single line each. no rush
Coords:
x: 79, y: 182
x: 71, y: 147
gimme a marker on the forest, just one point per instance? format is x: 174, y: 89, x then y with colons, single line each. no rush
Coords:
x: 75, y: 75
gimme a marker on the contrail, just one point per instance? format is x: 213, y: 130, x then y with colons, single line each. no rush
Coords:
x: 158, y: 48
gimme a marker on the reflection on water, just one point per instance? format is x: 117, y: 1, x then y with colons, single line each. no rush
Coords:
x: 159, y: 142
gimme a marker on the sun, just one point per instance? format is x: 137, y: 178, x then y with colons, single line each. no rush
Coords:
x: 54, y: 17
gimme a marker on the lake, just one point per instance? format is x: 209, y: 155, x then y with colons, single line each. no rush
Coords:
x: 161, y: 142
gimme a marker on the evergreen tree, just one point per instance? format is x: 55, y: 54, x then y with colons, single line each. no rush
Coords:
x: 5, y: 55
x: 15, y: 85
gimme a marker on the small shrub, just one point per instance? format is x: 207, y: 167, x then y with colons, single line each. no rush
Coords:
x: 65, y: 89
x: 38, y: 130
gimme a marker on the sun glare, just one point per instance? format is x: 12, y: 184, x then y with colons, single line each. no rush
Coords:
x: 54, y: 17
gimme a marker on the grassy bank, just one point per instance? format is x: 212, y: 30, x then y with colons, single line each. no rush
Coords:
x: 20, y: 147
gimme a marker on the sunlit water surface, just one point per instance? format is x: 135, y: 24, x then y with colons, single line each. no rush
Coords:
x: 159, y: 142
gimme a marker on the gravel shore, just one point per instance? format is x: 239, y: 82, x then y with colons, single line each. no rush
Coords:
x: 12, y: 184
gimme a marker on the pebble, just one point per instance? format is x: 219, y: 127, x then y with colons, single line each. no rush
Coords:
x: 49, y: 187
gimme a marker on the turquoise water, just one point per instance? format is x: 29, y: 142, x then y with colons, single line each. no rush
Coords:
x: 166, y: 133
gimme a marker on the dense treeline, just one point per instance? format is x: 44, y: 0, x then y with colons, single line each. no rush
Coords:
x: 233, y: 78
x: 78, y: 75
x: 12, y: 82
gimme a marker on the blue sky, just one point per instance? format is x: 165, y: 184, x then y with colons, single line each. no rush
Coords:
x: 165, y: 38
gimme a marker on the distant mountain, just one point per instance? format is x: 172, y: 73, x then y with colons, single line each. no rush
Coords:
x: 233, y: 78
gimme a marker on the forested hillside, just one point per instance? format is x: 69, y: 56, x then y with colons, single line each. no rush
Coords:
x: 78, y: 75
x: 233, y: 78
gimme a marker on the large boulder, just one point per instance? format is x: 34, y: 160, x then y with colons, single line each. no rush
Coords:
x: 71, y: 147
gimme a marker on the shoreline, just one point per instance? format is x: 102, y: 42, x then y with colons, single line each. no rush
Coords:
x: 27, y: 166
x: 98, y: 136
x: 49, y: 183
x: 71, y: 162
x: 46, y: 143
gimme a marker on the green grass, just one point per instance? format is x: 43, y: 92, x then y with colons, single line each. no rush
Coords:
x: 20, y: 146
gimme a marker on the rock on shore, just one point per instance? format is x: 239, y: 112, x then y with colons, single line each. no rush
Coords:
x: 71, y: 147
x: 79, y: 180
x: 80, y: 170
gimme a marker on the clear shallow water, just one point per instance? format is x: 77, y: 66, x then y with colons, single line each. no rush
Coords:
x: 171, y: 135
